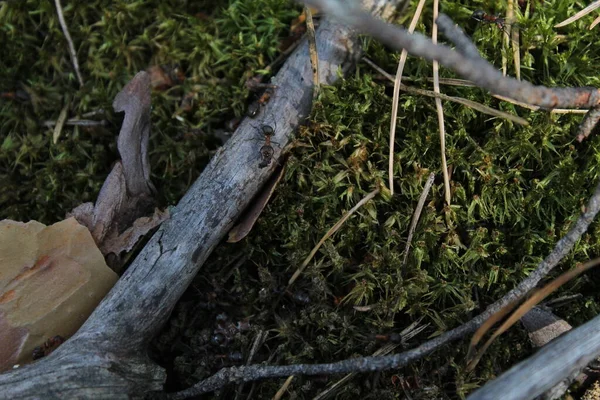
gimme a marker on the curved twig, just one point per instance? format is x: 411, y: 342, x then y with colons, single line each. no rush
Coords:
x: 477, y: 70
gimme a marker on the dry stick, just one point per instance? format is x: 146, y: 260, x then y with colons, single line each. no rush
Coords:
x: 369, y: 364
x: 560, y: 359
x: 587, y: 125
x: 440, y: 110
x: 580, y: 14
x: 312, y: 50
x: 396, y: 95
x: 330, y: 232
x: 531, y: 302
x: 477, y: 70
x: 385, y: 350
x: 63, y: 25
x: 417, y: 215
x: 258, y: 341
x: 78, y: 122
x: 469, y: 103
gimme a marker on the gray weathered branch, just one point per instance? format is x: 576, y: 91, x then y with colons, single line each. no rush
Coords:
x: 106, y: 357
x: 555, y: 362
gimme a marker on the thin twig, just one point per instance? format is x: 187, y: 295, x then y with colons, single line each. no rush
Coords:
x: 385, y: 350
x: 65, y: 29
x: 396, y: 96
x: 417, y: 215
x: 588, y: 124
x: 258, y: 341
x: 440, y: 109
x: 469, y: 103
x: 536, y: 108
x: 369, y: 364
x: 580, y: 14
x: 312, y: 50
x: 330, y: 232
x: 77, y: 122
x: 478, y: 70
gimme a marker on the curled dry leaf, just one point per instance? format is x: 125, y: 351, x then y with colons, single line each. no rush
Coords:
x: 117, y: 220
x: 247, y: 221
x: 51, y: 279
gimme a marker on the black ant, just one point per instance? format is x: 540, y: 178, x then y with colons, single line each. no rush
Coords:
x: 254, y: 107
x: 485, y: 18
x: 266, y: 151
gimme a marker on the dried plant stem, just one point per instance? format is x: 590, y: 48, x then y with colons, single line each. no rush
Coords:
x: 396, y: 96
x: 330, y: 232
x: 440, y: 109
x: 312, y: 49
x: 65, y: 29
x: 579, y: 15
x: 536, y: 108
x: 594, y: 23
x: 417, y: 215
x: 511, y: 36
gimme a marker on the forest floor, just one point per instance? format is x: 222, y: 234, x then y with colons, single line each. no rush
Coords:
x: 515, y: 189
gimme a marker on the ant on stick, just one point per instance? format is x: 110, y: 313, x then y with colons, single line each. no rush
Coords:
x: 266, y: 151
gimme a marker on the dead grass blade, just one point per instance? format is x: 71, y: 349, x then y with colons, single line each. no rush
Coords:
x: 330, y: 391
x: 469, y: 103
x: 312, y: 50
x: 65, y: 29
x: 580, y: 14
x: 60, y: 123
x: 417, y: 215
x: 531, y: 302
x: 536, y: 108
x: 594, y: 23
x: 397, y: 80
x: 283, y: 388
x: 330, y: 232
x: 440, y: 109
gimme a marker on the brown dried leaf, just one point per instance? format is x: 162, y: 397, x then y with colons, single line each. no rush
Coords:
x: 51, y: 279
x: 127, y: 193
x: 246, y: 223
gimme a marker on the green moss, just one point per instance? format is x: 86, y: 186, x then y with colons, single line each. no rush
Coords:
x: 515, y: 190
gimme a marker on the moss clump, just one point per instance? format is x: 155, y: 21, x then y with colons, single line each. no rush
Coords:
x: 217, y: 46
